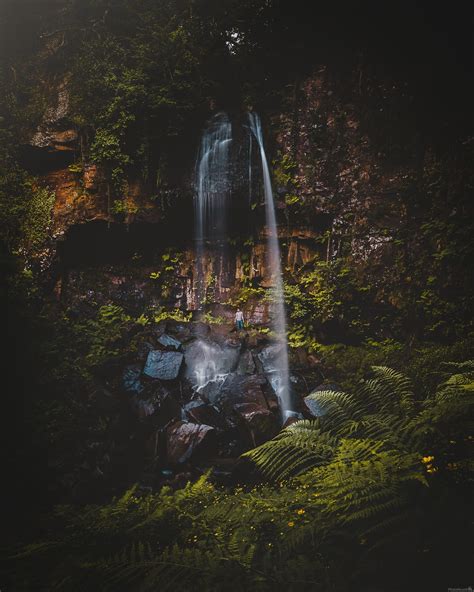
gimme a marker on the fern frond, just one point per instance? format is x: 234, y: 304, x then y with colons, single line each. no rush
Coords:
x: 394, y: 386
x: 296, y: 449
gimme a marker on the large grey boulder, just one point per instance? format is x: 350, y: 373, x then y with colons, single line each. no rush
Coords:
x: 164, y: 365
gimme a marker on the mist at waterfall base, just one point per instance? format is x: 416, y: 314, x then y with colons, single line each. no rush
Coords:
x: 215, y: 171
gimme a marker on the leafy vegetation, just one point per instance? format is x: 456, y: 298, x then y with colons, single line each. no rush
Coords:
x: 373, y: 494
x: 351, y: 480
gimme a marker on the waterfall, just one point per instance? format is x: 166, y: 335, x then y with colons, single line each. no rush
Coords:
x: 281, y: 375
x: 212, y: 203
x: 212, y: 190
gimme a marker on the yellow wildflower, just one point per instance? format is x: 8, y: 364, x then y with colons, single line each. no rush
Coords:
x: 300, y: 511
x: 291, y: 523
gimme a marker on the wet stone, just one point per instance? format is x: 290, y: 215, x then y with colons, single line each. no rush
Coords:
x: 246, y: 363
x: 200, y: 412
x: 269, y: 357
x: 313, y: 406
x: 243, y: 389
x: 164, y: 365
x: 157, y: 405
x: 184, y: 440
x: 131, y: 379
x: 261, y: 422
x: 168, y: 341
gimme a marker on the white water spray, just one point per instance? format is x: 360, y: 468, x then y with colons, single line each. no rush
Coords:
x: 281, y: 382
x: 212, y: 193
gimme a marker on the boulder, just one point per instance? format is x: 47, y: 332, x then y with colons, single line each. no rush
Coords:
x: 246, y: 363
x: 270, y: 356
x: 185, y: 440
x: 256, y: 339
x: 262, y: 424
x: 254, y: 388
x: 181, y: 331
x: 290, y: 417
x: 313, y: 407
x: 164, y: 365
x: 200, y: 329
x: 211, y: 390
x: 162, y: 411
x: 143, y: 349
x: 201, y: 412
x: 169, y: 342
x: 131, y: 379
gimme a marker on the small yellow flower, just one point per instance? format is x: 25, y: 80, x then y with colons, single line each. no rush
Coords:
x: 291, y: 523
x: 427, y: 459
x: 301, y: 511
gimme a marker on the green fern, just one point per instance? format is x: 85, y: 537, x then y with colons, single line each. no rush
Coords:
x: 346, y: 483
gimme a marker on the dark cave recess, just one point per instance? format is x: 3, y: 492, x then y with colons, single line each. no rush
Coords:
x: 99, y: 243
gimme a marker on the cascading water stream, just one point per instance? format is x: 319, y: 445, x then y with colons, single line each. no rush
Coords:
x: 212, y: 191
x: 211, y: 196
x: 212, y: 202
x: 282, y: 381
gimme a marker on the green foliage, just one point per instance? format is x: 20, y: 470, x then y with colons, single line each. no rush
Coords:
x: 176, y: 315
x: 133, y: 85
x: 15, y: 194
x: 165, y: 276
x: 352, y: 477
x: 37, y: 221
x: 76, y: 347
x: 284, y: 170
x: 423, y: 362
x: 245, y: 294
x: 142, y: 320
x: 292, y: 199
x: 325, y: 292
x: 212, y: 320
x: 76, y: 167
x: 121, y: 206
x: 103, y: 334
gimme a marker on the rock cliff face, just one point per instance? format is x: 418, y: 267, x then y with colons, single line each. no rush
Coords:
x: 110, y: 250
x: 345, y: 152
x: 140, y: 279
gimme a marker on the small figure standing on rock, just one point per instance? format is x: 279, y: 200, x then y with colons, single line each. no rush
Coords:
x: 239, y: 319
